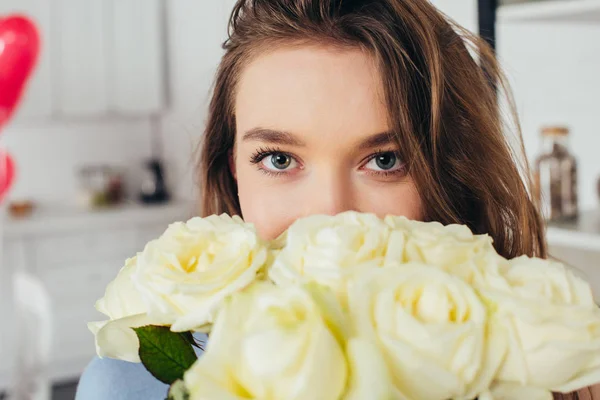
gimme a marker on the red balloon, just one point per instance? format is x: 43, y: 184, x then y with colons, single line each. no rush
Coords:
x: 7, y: 173
x: 19, y: 49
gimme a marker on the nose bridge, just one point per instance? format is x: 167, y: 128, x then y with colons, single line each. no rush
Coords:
x: 332, y: 192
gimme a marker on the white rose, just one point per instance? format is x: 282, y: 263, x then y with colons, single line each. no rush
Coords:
x: 545, y: 280
x: 369, y: 374
x: 505, y: 391
x: 442, y: 246
x: 329, y: 249
x: 123, y: 304
x: 481, y: 271
x: 270, y: 342
x: 185, y: 274
x: 431, y: 328
x: 553, y: 326
x: 453, y: 248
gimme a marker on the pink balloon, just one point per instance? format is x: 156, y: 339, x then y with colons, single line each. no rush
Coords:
x: 19, y: 49
x: 7, y: 173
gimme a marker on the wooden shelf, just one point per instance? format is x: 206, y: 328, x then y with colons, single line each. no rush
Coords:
x: 558, y: 11
x: 583, y: 234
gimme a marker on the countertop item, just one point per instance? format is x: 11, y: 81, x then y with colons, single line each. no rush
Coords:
x: 556, y: 176
x: 21, y: 209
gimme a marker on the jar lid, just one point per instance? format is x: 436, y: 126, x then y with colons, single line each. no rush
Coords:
x: 555, y: 131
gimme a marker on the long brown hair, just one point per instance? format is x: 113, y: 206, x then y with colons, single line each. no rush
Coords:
x: 440, y: 84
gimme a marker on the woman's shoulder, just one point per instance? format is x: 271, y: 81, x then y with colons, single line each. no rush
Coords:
x: 105, y: 378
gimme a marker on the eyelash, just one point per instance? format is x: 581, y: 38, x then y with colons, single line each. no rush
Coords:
x: 264, y: 152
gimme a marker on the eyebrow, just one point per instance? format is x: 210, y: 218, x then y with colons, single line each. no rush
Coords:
x: 377, y: 140
x: 287, y: 138
x: 273, y: 136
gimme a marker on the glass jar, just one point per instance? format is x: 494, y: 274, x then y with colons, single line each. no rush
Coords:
x: 556, y: 176
x: 100, y: 186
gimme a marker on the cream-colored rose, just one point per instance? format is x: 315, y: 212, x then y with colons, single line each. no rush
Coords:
x: 273, y: 343
x: 432, y: 329
x: 552, y: 324
x: 369, y: 374
x: 439, y: 245
x: 185, y: 274
x: 453, y: 248
x: 482, y: 271
x: 123, y: 305
x: 545, y: 280
x: 329, y: 249
x: 506, y: 391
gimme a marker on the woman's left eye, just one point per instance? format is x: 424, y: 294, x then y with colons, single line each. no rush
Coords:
x: 384, y: 162
x: 279, y: 162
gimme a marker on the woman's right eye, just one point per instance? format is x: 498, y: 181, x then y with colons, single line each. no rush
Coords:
x: 278, y: 162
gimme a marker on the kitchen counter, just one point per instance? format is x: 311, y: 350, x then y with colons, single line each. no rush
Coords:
x: 583, y: 233
x: 56, y: 219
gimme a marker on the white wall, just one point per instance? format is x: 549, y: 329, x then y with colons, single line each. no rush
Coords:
x: 48, y: 154
x: 198, y: 29
x: 462, y: 11
x: 553, y: 70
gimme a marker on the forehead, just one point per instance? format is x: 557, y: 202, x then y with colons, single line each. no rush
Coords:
x: 321, y: 93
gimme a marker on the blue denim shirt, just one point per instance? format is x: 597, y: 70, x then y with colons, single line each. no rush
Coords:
x: 108, y: 379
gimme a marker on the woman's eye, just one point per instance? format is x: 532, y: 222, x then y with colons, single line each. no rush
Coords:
x: 279, y: 162
x: 384, y: 162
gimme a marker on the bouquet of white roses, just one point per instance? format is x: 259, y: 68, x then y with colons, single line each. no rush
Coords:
x: 349, y: 307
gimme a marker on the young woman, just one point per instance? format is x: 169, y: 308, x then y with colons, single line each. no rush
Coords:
x: 381, y: 106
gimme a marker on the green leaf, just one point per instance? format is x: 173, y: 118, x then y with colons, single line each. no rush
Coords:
x: 165, y: 354
x: 188, y: 336
x: 178, y: 391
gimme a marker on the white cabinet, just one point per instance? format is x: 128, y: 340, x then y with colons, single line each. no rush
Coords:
x: 75, y: 268
x: 111, y: 57
x: 81, y: 64
x: 74, y: 255
x: 194, y: 51
x: 37, y: 101
x: 136, y: 64
x: 99, y: 58
x: 10, y: 256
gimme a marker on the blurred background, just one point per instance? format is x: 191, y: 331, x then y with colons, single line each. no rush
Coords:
x: 104, y: 143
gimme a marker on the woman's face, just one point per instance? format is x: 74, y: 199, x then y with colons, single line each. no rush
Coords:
x: 312, y: 139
